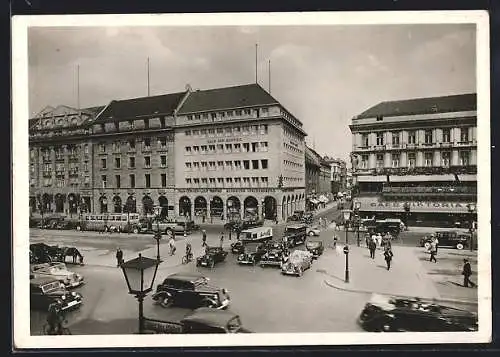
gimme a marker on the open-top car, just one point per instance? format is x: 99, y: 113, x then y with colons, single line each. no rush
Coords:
x: 192, y: 290
x: 393, y: 314
x: 276, y: 253
x: 46, y: 290
x: 57, y: 271
x: 315, y: 247
x: 252, y: 253
x: 297, y: 262
x: 212, y: 256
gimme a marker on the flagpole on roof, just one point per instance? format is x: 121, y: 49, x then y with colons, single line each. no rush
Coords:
x: 148, y: 78
x: 269, y: 76
x: 78, y: 86
x: 256, y: 50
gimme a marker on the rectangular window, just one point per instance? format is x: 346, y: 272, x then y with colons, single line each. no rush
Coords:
x: 203, y: 149
x: 86, y: 149
x: 132, y: 180
x: 104, y: 179
x: 131, y: 162
x: 428, y: 137
x: 118, y: 163
x: 263, y: 146
x: 263, y: 163
x: 246, y: 164
x: 395, y: 160
x: 380, y: 138
x: 196, y: 181
x: 102, y: 148
x: 211, y: 165
x: 213, y: 116
x: 236, y: 130
x: 211, y: 132
x: 246, y: 147
x: 163, y: 160
x: 445, y: 158
x: 228, y: 148
x: 147, y: 162
x: 116, y: 147
x: 220, y: 131
x: 204, y: 166
x: 237, y: 147
x: 86, y: 181
x: 264, y: 180
x: 131, y: 124
x: 428, y: 159
x: 196, y: 150
x: 211, y: 149
x: 196, y: 133
x: 263, y: 129
x: 188, y: 150
x: 237, y: 165
x: 103, y: 163
x: 380, y: 161
x: 86, y: 166
x: 147, y: 144
x: 131, y: 144
x: 254, y: 147
x: 220, y: 165
x: 229, y: 165
x: 118, y: 181
x: 197, y: 116
x: 255, y: 164
x: 163, y: 180
x: 187, y: 133
x: 196, y: 166
x: 464, y: 158
x: 412, y: 137
x: 464, y: 135
x: 364, y: 161
x: 395, y: 137
x: 148, y: 180
x: 205, y: 116
x: 163, y: 142
x: 203, y: 133
x: 412, y: 161
x: 229, y: 131
x: 446, y: 135
x: 188, y: 166
x: 220, y: 148
x: 364, y: 140
x: 245, y: 129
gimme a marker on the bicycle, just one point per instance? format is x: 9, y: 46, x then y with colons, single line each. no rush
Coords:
x: 187, y: 258
x: 64, y: 330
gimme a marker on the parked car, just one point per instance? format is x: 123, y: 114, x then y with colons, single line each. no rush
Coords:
x: 46, y: 290
x: 212, y: 256
x: 313, y: 231
x: 57, y: 271
x: 257, y: 234
x: 252, y: 253
x: 297, y: 262
x: 200, y: 321
x: 392, y: 314
x: 315, y: 247
x: 276, y: 253
x: 294, y: 235
x: 453, y: 239
x: 192, y: 290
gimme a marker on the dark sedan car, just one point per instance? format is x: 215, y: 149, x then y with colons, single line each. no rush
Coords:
x: 252, y: 253
x: 391, y: 314
x: 315, y: 247
x: 212, y: 256
x: 275, y: 255
x: 44, y: 291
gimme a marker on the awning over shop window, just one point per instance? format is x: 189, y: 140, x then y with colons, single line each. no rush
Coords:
x: 375, y: 204
x: 371, y: 178
x: 468, y: 178
x: 421, y: 178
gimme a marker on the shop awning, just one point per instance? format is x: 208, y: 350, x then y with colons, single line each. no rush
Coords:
x: 468, y: 178
x: 375, y: 204
x: 372, y: 178
x: 420, y: 178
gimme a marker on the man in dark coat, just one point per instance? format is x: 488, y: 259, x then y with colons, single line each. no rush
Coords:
x: 388, y: 257
x: 372, y: 246
x: 119, y: 257
x: 467, y: 272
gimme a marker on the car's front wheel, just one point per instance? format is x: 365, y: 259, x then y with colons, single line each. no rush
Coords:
x: 166, y: 301
x: 135, y: 230
x: 459, y: 246
x: 311, y: 233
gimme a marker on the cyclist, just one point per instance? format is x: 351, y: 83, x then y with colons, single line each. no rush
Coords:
x: 55, y: 317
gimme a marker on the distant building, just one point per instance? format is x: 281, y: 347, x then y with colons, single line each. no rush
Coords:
x: 417, y: 159
x: 338, y: 174
x: 317, y: 179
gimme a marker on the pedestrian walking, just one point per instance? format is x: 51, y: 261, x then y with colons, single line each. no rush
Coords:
x: 388, y: 258
x: 119, y: 257
x: 171, y: 244
x: 436, y: 240
x: 221, y: 239
x: 467, y: 272
x: 230, y: 231
x: 335, y: 239
x: 379, y: 240
x: 372, y: 246
x: 204, y: 238
x: 433, y: 252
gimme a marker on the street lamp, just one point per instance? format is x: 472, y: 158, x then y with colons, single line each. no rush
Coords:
x: 471, y: 207
x: 357, y: 206
x: 157, y: 235
x: 347, y: 215
x: 140, y: 278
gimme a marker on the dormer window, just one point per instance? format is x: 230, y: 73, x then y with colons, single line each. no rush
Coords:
x: 380, y: 117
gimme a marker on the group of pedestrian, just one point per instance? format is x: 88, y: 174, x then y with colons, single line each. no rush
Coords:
x: 377, y: 241
x: 433, y: 248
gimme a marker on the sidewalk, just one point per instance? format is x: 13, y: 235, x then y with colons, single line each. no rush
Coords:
x: 407, y: 276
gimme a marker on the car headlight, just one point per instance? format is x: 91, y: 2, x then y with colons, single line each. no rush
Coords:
x: 63, y: 297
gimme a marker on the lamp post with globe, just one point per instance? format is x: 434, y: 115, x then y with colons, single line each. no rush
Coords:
x: 347, y: 215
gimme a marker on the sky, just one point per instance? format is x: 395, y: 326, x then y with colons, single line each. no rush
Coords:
x: 324, y: 75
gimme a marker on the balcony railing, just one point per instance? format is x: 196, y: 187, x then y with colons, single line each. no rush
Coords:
x: 430, y: 190
x: 437, y: 170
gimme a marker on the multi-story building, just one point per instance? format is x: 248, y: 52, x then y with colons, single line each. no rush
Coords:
x: 216, y: 152
x: 238, y: 152
x: 317, y: 179
x: 338, y: 174
x: 324, y: 178
x: 417, y: 159
x: 61, y: 160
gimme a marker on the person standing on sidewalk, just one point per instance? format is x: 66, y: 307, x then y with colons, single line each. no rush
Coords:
x: 221, y: 239
x: 204, y: 238
x: 467, y: 272
x: 372, y: 246
x: 436, y: 240
x: 119, y: 257
x: 433, y: 252
x: 388, y: 257
x: 171, y: 244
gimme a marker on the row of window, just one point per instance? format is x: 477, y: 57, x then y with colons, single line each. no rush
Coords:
x: 227, y: 148
x: 130, y: 124
x: 131, y: 162
x: 464, y: 159
x: 131, y: 181
x: 292, y: 164
x: 71, y: 151
x: 62, y: 182
x: 228, y: 113
x: 60, y: 168
x: 131, y: 145
x: 292, y: 148
x: 227, y: 165
x: 229, y: 181
x: 429, y: 137
x: 228, y: 131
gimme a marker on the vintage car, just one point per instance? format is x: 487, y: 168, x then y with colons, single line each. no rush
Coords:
x: 313, y: 231
x: 315, y: 247
x: 46, y: 290
x: 297, y: 262
x: 167, y: 225
x: 252, y: 253
x: 393, y: 314
x: 275, y: 254
x: 57, y: 271
x: 200, y: 321
x: 297, y: 216
x: 452, y: 239
x: 294, y: 235
x: 191, y: 290
x: 212, y: 256
x: 252, y: 235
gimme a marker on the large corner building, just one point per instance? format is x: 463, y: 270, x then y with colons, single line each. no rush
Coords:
x: 203, y: 153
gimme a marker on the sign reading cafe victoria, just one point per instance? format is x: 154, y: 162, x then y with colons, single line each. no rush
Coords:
x: 415, y: 206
